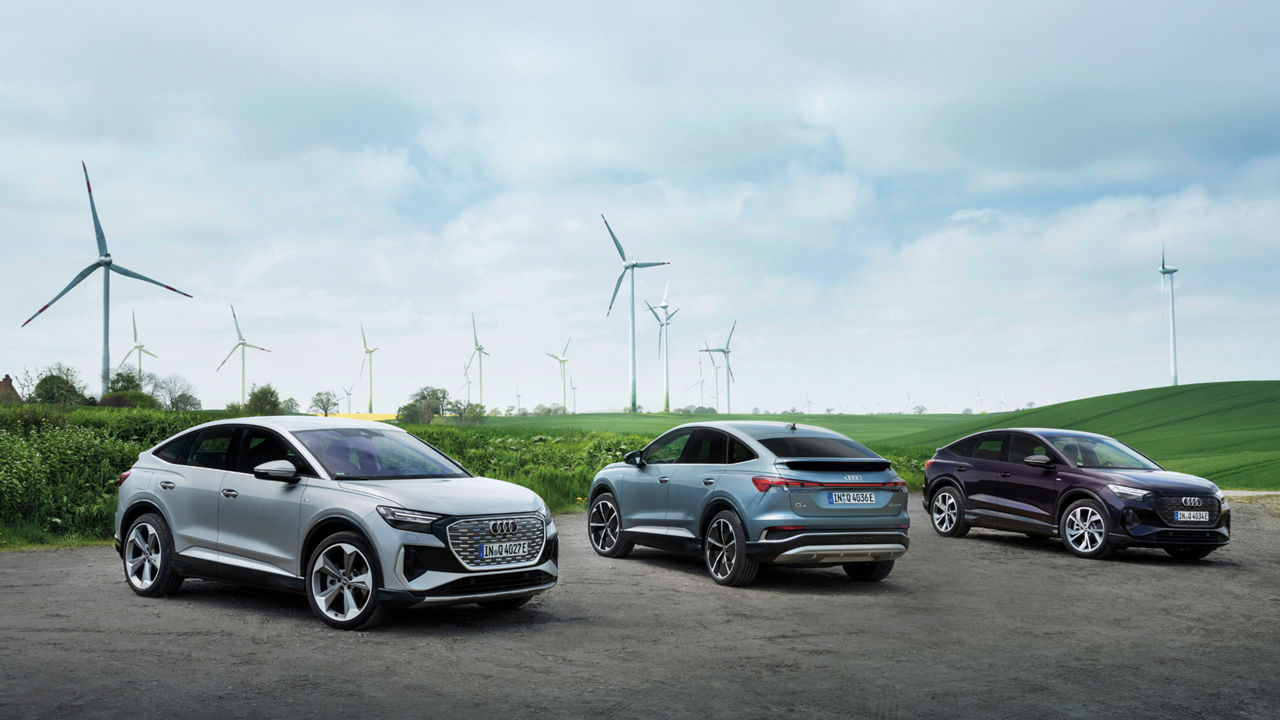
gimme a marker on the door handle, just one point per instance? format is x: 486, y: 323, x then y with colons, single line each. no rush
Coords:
x: 228, y: 493
x: 708, y: 481
x: 166, y: 485
x: 1005, y: 474
x: 961, y: 468
x: 663, y: 479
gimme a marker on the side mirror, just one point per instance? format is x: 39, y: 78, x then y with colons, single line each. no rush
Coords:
x: 1041, y: 461
x: 276, y: 470
x: 635, y: 457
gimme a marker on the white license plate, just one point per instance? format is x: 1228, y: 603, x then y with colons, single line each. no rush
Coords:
x: 1191, y: 515
x: 502, y: 550
x: 852, y: 498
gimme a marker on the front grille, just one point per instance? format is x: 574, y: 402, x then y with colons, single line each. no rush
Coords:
x: 1168, y: 505
x: 492, y: 583
x: 467, y: 537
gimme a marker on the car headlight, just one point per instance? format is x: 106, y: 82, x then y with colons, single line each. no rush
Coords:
x: 1217, y: 492
x: 402, y: 519
x: 1128, y: 493
x: 544, y: 512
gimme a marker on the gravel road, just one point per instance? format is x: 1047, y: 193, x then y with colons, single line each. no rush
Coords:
x: 990, y: 626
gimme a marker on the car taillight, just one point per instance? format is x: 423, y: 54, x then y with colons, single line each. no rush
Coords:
x: 927, y: 463
x: 123, y: 476
x: 764, y: 482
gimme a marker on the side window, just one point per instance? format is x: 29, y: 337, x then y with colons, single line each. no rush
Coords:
x: 175, y: 451
x: 211, y: 447
x: 1022, y: 447
x: 707, y: 448
x: 990, y: 447
x: 964, y: 448
x: 739, y: 452
x: 667, y: 449
x: 258, y: 446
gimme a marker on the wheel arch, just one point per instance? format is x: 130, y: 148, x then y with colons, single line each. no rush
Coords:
x: 323, y: 529
x: 137, y: 509
x: 945, y: 481
x: 1075, y: 494
x: 713, y: 506
x: 598, y: 487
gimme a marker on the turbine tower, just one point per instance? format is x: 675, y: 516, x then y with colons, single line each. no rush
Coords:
x: 1168, y: 271
x: 348, y: 390
x: 574, y: 389
x: 137, y: 347
x: 466, y: 373
x: 724, y: 351
x: 664, y: 328
x: 714, y: 366
x: 368, y: 355
x: 628, y: 266
x: 478, y: 353
x: 240, y: 345
x: 562, y: 358
x: 109, y: 266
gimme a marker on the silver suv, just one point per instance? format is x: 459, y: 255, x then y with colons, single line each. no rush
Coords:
x: 357, y: 516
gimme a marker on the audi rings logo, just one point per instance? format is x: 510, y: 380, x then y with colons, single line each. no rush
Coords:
x: 502, y: 527
x: 1192, y: 501
x: 853, y: 478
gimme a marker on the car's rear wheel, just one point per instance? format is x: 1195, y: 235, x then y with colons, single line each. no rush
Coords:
x: 343, y: 581
x: 148, y: 557
x: 1188, y: 553
x: 725, y: 551
x: 505, y: 603
x: 1085, y: 529
x: 604, y: 527
x: 946, y: 513
x: 874, y: 571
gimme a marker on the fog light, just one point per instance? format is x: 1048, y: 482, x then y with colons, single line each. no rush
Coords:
x: 1130, y: 519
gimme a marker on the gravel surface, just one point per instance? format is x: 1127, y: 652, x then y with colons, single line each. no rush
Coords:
x: 990, y: 626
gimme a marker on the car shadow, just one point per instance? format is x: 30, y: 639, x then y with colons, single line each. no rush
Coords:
x: 771, y: 578
x: 1131, y: 556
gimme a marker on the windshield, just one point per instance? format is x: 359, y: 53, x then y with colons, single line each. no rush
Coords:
x: 372, y: 454
x: 791, y: 446
x: 1100, y: 452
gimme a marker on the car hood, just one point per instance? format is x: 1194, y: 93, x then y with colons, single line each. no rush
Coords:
x: 1160, y: 480
x: 451, y: 496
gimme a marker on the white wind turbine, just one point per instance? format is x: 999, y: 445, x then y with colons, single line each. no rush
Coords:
x: 347, y: 391
x: 368, y: 355
x: 808, y: 405
x: 1168, y: 271
x: 137, y: 347
x: 716, y: 368
x: 109, y: 266
x: 466, y: 373
x: 908, y: 412
x: 563, y: 358
x: 724, y: 351
x: 574, y: 389
x: 664, y: 328
x: 702, y: 385
x: 240, y: 345
x: 477, y: 352
x: 628, y: 266
x: 979, y: 399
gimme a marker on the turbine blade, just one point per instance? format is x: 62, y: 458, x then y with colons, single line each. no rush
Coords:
x: 554, y: 357
x: 665, y: 288
x: 673, y: 314
x: 651, y: 264
x: 615, y: 239
x: 363, y: 339
x: 654, y: 311
x: 474, y: 336
x: 363, y: 358
x: 148, y: 352
x: 565, y: 352
x: 125, y: 360
x: 74, y: 281
x: 228, y: 357
x: 255, y: 347
x: 729, y: 368
x: 659, y: 341
x: 135, y: 325
x: 139, y: 276
x: 97, y: 226
x: 483, y: 351
x: 726, y: 342
x: 616, y: 288
x: 236, y: 320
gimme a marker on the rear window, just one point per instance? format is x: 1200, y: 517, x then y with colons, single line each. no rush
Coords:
x: 823, y: 447
x: 739, y: 452
x: 175, y: 451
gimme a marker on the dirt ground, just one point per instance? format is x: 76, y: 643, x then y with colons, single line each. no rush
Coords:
x: 989, y: 626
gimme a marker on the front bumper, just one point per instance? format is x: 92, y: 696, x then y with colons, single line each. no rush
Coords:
x: 1138, y: 524
x: 831, y: 547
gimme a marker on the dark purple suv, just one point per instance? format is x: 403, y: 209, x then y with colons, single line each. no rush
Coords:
x: 1094, y: 492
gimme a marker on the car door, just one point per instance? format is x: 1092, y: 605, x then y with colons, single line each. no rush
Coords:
x: 642, y: 490
x: 258, y: 519
x: 699, y: 469
x: 191, y: 493
x: 1027, y: 493
x: 981, y: 488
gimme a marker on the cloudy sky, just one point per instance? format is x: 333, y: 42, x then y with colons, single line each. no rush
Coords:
x: 889, y: 198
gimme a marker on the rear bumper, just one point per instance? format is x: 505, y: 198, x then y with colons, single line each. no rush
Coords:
x: 831, y: 548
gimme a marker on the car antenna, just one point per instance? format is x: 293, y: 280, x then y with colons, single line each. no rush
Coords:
x: 792, y: 426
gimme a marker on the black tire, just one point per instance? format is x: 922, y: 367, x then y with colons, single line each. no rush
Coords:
x: 1085, y: 529
x: 604, y: 527
x: 724, y: 551
x: 148, y: 557
x: 505, y: 603
x: 342, y: 582
x: 946, y: 512
x: 1188, y: 553
x: 873, y: 571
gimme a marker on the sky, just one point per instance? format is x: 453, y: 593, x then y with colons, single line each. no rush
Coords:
x: 959, y: 204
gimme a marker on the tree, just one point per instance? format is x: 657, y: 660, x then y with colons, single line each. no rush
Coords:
x: 263, y: 400
x: 289, y: 407
x: 416, y: 412
x: 59, y: 385
x: 918, y: 410
x: 175, y: 393
x: 324, y: 402
x: 130, y: 398
x: 123, y: 381
x: 967, y: 411
x: 471, y: 414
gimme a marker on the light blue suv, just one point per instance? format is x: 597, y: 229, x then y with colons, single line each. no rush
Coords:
x: 746, y: 493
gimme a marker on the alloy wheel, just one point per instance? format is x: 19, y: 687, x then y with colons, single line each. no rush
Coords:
x: 604, y: 525
x: 721, y: 548
x: 1085, y: 529
x: 945, y: 512
x: 341, y: 582
x: 142, y: 556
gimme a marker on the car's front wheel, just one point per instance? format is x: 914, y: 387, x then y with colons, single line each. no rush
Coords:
x: 148, y: 557
x: 725, y: 551
x: 873, y: 571
x: 1085, y: 529
x: 604, y: 527
x: 946, y: 513
x: 343, y: 581
x: 1188, y: 553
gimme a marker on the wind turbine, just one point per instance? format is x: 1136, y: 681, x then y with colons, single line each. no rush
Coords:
x: 908, y: 404
x: 517, y: 396
x: 979, y: 399
x: 563, y: 358
x: 628, y: 266
x: 368, y: 355
x: 348, y: 390
x: 139, y: 348
x: 715, y: 367
x: 702, y: 385
x: 109, y: 266
x: 466, y: 373
x: 808, y: 405
x: 724, y: 351
x: 1168, y: 271
x: 1004, y: 401
x: 574, y: 388
x: 664, y: 328
x: 477, y: 351
x: 240, y: 345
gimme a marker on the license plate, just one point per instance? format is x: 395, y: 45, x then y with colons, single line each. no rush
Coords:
x: 852, y: 498
x: 1191, y: 515
x: 500, y: 550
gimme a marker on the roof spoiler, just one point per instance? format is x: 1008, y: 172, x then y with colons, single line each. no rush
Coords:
x: 835, y: 464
